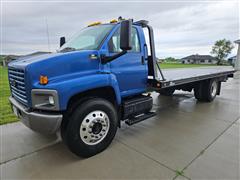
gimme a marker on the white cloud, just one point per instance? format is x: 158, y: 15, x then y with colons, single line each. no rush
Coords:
x: 181, y: 28
x: 196, y: 28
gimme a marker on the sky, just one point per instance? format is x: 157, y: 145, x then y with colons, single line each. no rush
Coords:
x: 181, y: 28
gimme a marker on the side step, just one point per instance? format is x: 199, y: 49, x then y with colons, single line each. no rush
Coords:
x: 140, y: 118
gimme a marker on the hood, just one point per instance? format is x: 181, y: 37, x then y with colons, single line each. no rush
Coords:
x: 23, y: 61
x: 57, y: 64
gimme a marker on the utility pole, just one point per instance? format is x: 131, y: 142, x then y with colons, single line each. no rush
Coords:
x: 48, y: 41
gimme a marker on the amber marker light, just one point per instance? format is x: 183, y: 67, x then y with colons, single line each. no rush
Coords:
x: 113, y: 21
x: 43, y: 80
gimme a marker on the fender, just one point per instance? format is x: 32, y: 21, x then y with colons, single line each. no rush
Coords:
x: 67, y: 88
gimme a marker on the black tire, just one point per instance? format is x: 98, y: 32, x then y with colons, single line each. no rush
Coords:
x: 166, y: 92
x: 206, y: 90
x: 72, y: 132
x: 210, y: 90
x: 67, y: 116
x: 198, y: 92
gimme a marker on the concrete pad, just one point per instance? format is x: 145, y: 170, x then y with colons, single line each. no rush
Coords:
x: 231, y: 93
x: 221, y: 108
x: 117, y: 162
x: 237, y: 122
x: 173, y: 138
x: 17, y: 140
x: 182, y: 128
x: 164, y: 102
x: 221, y: 160
x: 225, y: 107
x: 181, y: 178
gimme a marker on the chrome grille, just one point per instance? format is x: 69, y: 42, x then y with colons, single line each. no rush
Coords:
x: 17, y: 84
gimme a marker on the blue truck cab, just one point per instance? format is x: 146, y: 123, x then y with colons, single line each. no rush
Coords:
x: 93, y: 82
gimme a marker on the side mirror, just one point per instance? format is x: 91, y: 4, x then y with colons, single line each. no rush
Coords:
x: 125, y: 41
x: 62, y: 41
x: 125, y: 35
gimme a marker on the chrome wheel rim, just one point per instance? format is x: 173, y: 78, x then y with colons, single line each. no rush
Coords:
x: 94, y: 127
x: 214, y: 89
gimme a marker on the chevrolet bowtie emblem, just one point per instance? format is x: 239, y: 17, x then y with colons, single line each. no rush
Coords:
x: 14, y: 83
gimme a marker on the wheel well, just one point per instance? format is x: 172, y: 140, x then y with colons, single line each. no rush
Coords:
x: 107, y: 93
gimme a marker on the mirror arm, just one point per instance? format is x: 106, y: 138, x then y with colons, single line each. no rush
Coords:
x: 62, y: 41
x: 105, y: 59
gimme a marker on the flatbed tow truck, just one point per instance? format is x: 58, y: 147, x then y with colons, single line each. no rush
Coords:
x: 97, y: 80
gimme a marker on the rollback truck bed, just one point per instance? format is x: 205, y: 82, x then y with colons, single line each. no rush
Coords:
x: 96, y: 81
x: 180, y: 77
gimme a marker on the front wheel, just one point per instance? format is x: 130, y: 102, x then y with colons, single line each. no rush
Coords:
x: 91, y: 127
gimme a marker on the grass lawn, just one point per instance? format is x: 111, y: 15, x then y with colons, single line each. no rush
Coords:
x: 6, y: 115
x: 179, y: 65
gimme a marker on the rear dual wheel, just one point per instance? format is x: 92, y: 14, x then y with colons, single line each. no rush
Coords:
x: 91, y: 127
x: 206, y: 90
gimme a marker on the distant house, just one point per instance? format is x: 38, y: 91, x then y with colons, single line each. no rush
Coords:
x: 232, y: 60
x: 160, y: 60
x: 199, y: 59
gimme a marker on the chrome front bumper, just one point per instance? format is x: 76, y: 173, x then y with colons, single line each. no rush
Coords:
x: 42, y: 122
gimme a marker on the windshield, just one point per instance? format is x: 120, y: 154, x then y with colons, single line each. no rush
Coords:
x: 88, y: 38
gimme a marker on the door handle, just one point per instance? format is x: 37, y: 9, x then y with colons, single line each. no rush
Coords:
x: 143, y: 60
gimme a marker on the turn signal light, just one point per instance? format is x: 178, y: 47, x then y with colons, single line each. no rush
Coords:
x: 43, y: 80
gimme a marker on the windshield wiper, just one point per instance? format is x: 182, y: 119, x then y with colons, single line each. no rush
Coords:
x: 68, y: 49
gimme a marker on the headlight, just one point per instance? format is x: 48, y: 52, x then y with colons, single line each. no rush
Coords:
x: 51, y: 100
x: 45, y: 99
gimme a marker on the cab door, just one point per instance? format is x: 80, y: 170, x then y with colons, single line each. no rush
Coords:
x: 129, y: 69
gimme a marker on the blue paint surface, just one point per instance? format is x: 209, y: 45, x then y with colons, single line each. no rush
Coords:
x: 74, y: 72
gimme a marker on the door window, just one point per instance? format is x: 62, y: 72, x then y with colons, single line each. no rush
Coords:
x: 114, y: 42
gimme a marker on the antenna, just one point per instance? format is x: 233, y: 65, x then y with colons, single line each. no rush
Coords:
x: 48, y: 41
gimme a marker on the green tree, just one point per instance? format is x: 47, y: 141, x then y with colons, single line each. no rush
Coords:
x: 170, y: 59
x: 221, y: 49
